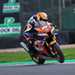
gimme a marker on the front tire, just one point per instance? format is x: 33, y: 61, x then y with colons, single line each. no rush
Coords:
x: 59, y: 53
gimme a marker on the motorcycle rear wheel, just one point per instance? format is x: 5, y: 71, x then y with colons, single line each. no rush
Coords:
x: 38, y: 60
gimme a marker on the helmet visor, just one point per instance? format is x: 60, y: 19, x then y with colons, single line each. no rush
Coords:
x: 43, y: 19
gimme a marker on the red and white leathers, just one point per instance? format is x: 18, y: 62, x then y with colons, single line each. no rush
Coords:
x: 35, y: 27
x: 39, y: 26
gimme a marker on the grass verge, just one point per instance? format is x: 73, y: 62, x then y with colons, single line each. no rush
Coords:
x: 22, y: 56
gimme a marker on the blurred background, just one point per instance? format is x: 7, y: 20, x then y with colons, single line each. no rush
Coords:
x: 15, y: 13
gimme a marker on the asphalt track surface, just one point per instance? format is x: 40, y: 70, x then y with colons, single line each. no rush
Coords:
x: 53, y: 68
x: 30, y: 68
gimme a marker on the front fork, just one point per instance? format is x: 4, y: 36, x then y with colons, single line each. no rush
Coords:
x: 51, y: 40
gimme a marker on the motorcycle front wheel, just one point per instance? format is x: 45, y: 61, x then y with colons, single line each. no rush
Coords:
x: 58, y: 53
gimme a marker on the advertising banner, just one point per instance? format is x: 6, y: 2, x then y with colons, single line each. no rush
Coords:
x: 10, y: 25
x: 11, y: 7
x: 10, y: 30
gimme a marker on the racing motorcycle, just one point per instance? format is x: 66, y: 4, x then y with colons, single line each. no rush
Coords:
x: 46, y: 46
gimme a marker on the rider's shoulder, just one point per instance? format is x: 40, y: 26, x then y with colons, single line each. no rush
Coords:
x: 31, y: 19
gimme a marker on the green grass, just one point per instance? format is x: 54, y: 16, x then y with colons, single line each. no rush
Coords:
x: 69, y: 53
x: 22, y: 56
x: 10, y: 57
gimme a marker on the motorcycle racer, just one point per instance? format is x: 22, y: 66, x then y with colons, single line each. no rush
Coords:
x: 38, y: 23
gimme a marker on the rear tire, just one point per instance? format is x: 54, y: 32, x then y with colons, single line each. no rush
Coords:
x: 38, y: 60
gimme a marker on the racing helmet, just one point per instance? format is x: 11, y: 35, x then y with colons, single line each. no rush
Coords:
x: 42, y: 16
